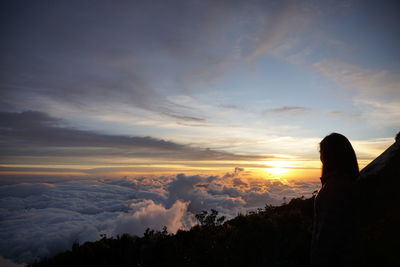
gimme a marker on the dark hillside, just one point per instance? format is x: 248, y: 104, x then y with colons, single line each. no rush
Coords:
x: 379, y: 206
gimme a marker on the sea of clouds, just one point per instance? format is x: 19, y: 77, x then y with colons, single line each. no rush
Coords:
x: 41, y: 219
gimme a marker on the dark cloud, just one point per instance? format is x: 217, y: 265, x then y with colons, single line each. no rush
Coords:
x: 236, y: 173
x: 185, y: 118
x: 33, y: 133
x: 230, y: 106
x: 83, y: 54
x: 37, y: 128
x: 287, y: 109
x: 239, y: 182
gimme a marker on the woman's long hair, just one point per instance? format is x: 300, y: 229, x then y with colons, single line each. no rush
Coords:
x: 337, y: 155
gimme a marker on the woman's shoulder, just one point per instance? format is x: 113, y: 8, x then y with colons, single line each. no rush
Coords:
x: 338, y: 178
x: 336, y: 194
x: 338, y: 182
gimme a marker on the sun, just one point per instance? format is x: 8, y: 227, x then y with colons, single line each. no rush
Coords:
x: 277, y: 167
x: 277, y: 171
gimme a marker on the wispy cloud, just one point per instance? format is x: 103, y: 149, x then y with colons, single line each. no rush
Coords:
x: 373, y: 82
x: 288, y: 109
x: 280, y: 29
x: 185, y: 118
x: 380, y: 113
x: 377, y: 91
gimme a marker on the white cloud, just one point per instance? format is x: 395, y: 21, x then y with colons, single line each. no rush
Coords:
x: 374, y: 82
x: 370, y: 149
x: 377, y: 90
x: 42, y: 219
x: 147, y: 214
x: 380, y: 113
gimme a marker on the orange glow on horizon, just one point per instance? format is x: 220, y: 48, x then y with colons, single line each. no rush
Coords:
x: 282, y: 168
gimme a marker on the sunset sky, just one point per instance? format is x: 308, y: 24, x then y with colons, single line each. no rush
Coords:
x: 116, y: 116
x: 144, y: 87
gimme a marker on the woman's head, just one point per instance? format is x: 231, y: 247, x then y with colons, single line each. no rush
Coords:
x: 337, y: 155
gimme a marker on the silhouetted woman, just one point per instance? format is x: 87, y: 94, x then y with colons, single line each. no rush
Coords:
x: 333, y: 230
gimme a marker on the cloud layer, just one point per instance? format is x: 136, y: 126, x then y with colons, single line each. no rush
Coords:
x: 33, y: 133
x: 41, y: 219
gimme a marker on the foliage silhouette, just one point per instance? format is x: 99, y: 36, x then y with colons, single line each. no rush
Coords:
x: 211, y: 219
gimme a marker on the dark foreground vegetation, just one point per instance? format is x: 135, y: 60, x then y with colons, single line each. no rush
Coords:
x: 273, y: 236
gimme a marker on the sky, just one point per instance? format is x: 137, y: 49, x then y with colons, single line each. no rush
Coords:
x: 227, y: 99
x: 149, y: 87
